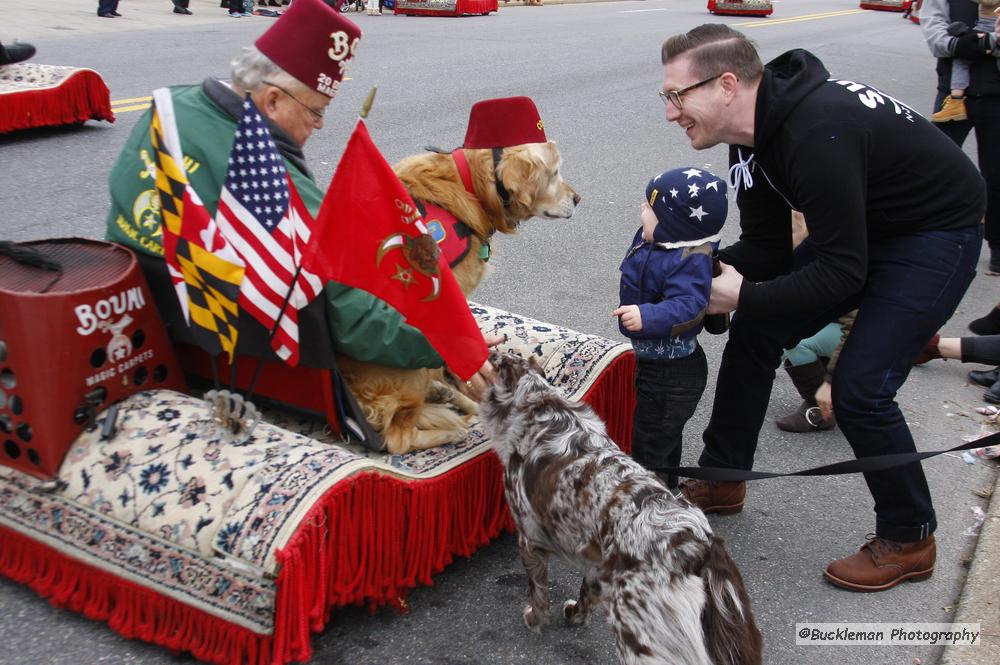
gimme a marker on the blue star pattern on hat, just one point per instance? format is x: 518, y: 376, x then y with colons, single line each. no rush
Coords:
x: 690, y: 206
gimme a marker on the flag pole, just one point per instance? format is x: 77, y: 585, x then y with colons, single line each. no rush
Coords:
x: 215, y: 372
x: 369, y: 100
x: 274, y: 330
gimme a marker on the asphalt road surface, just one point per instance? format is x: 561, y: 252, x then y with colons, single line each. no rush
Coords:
x: 593, y: 70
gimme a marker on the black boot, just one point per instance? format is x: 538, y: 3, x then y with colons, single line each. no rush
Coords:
x: 992, y: 394
x: 16, y: 52
x: 807, y: 418
x: 985, y: 378
x: 994, y: 265
x: 987, y: 325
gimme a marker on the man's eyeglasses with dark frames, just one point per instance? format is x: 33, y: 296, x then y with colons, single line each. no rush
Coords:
x: 674, y: 96
x: 316, y: 114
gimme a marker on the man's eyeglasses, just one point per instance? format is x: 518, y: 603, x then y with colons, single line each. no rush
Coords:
x: 674, y: 96
x: 316, y: 114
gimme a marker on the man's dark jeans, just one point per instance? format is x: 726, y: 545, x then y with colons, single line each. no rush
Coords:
x: 666, y: 395
x: 914, y: 284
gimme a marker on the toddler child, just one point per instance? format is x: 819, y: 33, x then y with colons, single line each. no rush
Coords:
x: 666, y: 281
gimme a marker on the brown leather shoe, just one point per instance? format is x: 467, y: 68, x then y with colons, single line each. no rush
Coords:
x: 882, y: 564
x: 725, y: 498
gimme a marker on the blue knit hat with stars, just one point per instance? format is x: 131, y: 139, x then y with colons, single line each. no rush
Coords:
x: 690, y: 206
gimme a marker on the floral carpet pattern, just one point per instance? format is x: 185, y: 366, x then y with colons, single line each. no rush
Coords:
x: 31, y: 76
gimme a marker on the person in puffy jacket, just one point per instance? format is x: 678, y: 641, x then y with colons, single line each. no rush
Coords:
x: 665, y: 287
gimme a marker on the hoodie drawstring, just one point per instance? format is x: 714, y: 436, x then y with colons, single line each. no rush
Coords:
x: 739, y: 173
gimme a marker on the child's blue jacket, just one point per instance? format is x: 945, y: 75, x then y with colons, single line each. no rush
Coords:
x: 671, y: 283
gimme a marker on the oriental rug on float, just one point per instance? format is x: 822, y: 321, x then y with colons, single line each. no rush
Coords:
x: 445, y: 7
x: 238, y: 552
x: 33, y: 95
x: 887, y: 5
x: 741, y: 7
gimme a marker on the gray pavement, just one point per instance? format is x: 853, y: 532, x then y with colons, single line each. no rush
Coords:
x: 979, y: 603
x: 593, y: 70
x: 55, y: 19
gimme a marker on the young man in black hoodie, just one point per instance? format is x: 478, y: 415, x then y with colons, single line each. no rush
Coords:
x: 894, y: 210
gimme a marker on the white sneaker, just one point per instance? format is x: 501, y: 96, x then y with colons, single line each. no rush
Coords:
x: 235, y: 15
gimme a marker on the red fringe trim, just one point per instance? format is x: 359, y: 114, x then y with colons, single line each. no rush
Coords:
x: 130, y: 610
x: 82, y: 96
x: 613, y: 398
x: 879, y: 7
x: 368, y: 541
x: 372, y: 539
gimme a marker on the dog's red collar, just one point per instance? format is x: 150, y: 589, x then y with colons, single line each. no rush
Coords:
x: 464, y: 172
x: 462, y: 164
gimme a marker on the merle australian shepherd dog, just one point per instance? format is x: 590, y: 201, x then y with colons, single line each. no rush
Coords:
x: 672, y: 593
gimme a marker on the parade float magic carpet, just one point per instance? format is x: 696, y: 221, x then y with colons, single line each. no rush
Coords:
x: 33, y: 95
x: 445, y: 7
x: 886, y: 5
x: 741, y: 7
x: 237, y: 553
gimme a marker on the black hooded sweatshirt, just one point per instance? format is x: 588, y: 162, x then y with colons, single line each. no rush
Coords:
x: 859, y: 164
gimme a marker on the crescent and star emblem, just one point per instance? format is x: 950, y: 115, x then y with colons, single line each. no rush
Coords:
x: 421, y: 253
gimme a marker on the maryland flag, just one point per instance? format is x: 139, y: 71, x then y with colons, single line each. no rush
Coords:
x: 205, y: 270
x: 369, y: 235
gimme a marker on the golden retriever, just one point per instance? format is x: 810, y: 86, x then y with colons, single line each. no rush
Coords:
x: 416, y: 409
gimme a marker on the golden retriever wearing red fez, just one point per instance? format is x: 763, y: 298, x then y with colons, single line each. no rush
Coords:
x: 415, y: 409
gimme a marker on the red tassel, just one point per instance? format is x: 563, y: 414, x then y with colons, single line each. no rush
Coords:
x: 613, y: 398
x: 81, y: 96
x: 375, y: 537
x: 131, y: 610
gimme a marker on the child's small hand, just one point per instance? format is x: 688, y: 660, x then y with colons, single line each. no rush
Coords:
x: 630, y: 316
x: 824, y: 400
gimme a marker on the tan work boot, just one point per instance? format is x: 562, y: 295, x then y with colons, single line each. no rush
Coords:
x: 953, y: 109
x: 725, y: 498
x: 881, y: 564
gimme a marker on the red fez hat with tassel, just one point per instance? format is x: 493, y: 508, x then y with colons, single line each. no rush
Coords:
x: 312, y: 42
x: 500, y: 123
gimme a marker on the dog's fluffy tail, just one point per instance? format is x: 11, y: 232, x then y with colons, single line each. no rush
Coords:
x: 731, y: 635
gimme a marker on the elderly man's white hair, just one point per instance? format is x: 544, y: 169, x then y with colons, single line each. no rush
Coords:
x: 251, y: 68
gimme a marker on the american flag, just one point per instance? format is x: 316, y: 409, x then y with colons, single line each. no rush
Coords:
x: 261, y: 214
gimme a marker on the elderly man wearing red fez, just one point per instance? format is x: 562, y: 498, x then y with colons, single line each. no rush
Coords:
x: 292, y: 73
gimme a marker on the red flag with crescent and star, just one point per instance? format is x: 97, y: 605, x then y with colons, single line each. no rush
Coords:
x: 369, y: 235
